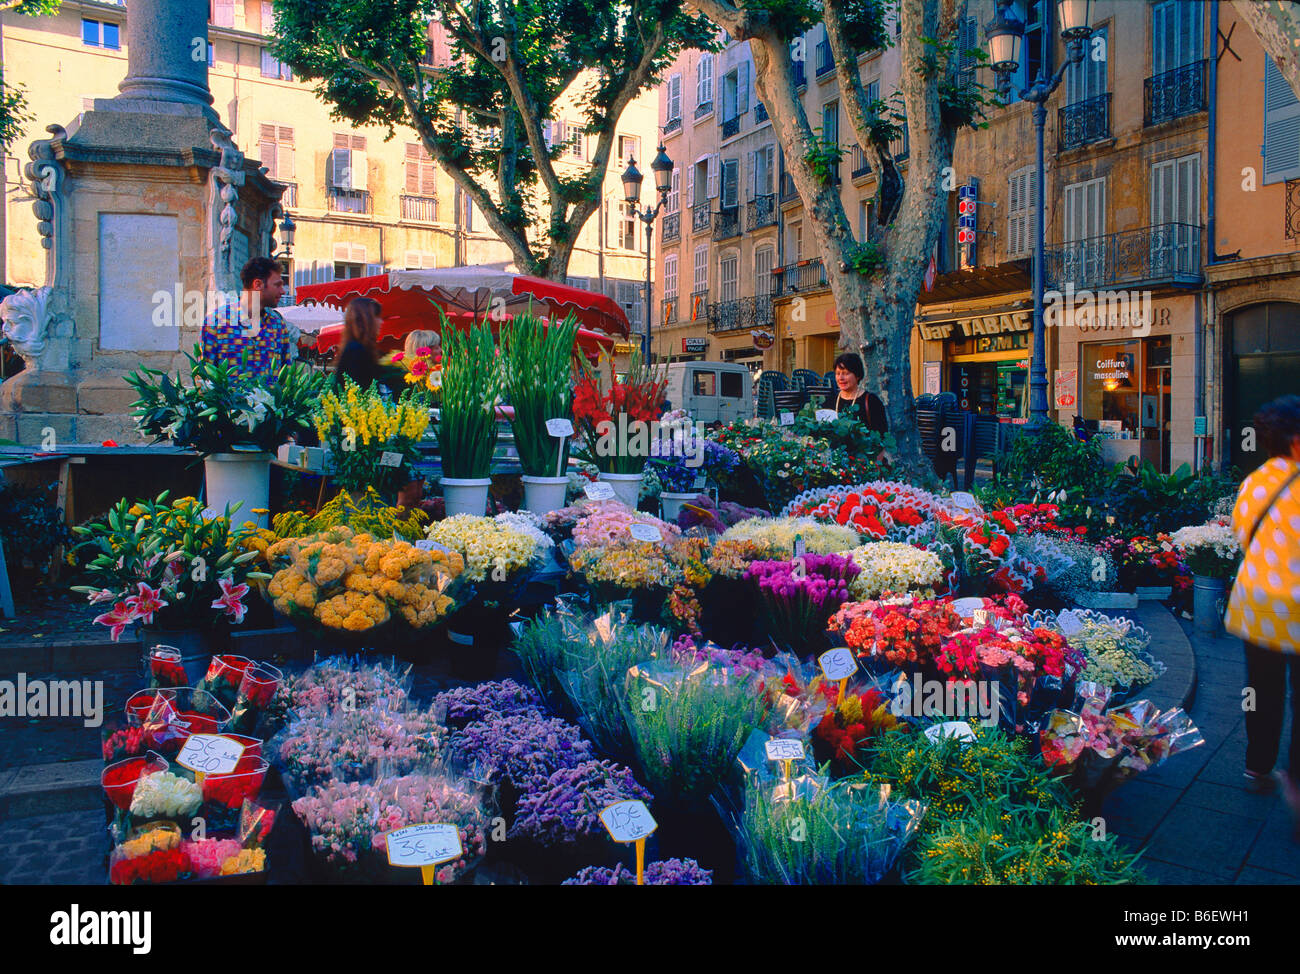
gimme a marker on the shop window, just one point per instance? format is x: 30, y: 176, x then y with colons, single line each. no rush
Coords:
x: 1110, y: 385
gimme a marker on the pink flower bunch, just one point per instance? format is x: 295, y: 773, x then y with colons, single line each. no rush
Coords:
x: 607, y: 522
x: 351, y: 745
x: 207, y: 855
x: 140, y: 606
x: 324, y: 686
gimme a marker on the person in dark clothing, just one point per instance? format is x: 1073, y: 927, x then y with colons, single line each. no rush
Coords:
x: 853, y: 398
x: 358, y: 352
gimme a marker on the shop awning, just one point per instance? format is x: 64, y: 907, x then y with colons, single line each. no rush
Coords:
x: 978, y: 282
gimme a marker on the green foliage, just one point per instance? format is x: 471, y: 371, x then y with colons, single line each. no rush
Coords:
x: 824, y: 160
x: 537, y: 381
x: 1147, y: 502
x: 867, y: 258
x: 471, y: 384
x: 1052, y: 460
x: 31, y: 528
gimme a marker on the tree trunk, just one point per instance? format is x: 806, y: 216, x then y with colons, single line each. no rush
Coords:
x: 1277, y: 25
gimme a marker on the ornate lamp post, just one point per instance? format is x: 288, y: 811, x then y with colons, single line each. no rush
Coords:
x: 662, y: 167
x: 1005, y: 37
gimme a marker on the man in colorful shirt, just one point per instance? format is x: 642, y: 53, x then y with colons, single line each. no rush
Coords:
x: 259, y: 346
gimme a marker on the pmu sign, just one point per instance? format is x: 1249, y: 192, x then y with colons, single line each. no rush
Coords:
x: 967, y: 203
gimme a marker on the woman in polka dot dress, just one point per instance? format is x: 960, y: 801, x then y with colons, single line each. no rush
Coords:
x: 1264, y: 609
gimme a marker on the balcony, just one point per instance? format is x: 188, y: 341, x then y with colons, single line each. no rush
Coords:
x: 673, y: 125
x: 727, y: 223
x: 699, y: 308
x: 900, y: 147
x: 672, y: 226
x: 860, y: 165
x: 703, y: 108
x: 760, y: 113
x: 730, y: 127
x: 420, y: 209
x: 760, y: 212
x: 669, y: 306
x: 350, y: 201
x: 741, y: 315
x: 1084, y: 122
x: 825, y: 60
x: 1168, y: 253
x: 700, y: 217
x: 800, y: 75
x: 1175, y: 93
x: 805, y: 276
x: 788, y: 192
x: 290, y: 195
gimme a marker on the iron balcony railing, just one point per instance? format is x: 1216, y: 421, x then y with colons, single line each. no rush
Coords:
x: 760, y: 212
x: 1168, y: 253
x: 788, y: 191
x: 350, y: 201
x: 727, y: 224
x: 742, y: 314
x: 805, y: 276
x: 673, y: 125
x: 700, y: 217
x: 699, y: 306
x: 290, y: 195
x: 1084, y: 122
x: 1175, y: 93
x: 730, y: 126
x: 800, y: 75
x: 760, y: 113
x: 673, y: 226
x: 860, y: 165
x: 420, y: 208
x: 669, y: 306
x: 703, y: 108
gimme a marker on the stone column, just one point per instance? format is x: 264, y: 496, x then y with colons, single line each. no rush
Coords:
x: 162, y: 38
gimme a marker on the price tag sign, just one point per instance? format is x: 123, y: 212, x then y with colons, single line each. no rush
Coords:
x: 1069, y: 622
x: 838, y: 663
x: 787, y: 419
x: 827, y: 415
x: 559, y: 428
x: 428, y: 544
x: 700, y: 482
x: 646, y: 532
x: 389, y: 459
x: 599, y: 491
x: 965, y: 501
x: 628, y: 821
x: 783, y: 749
x: 423, y: 845
x: 210, y: 754
x: 953, y: 728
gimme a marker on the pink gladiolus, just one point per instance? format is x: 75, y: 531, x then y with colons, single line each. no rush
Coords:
x: 122, y: 616
x: 231, y: 599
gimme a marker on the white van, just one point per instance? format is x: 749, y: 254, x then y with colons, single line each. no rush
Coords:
x: 711, y: 392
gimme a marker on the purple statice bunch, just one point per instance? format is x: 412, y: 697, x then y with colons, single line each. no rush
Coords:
x: 800, y: 595
x: 716, y: 518
x: 466, y: 705
x: 665, y: 872
x: 520, y: 748
x: 685, y: 651
x: 565, y: 808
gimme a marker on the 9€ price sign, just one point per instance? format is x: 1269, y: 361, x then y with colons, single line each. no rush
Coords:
x: 426, y: 846
x: 630, y: 821
x: 838, y: 664
x: 206, y: 754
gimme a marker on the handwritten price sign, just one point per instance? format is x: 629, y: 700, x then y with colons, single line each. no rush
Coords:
x: 645, y: 532
x: 783, y: 749
x: 427, y: 544
x: 838, y: 663
x: 827, y: 415
x: 787, y: 419
x: 628, y: 821
x: 559, y: 428
x: 210, y: 754
x: 599, y: 491
x: 423, y: 845
x: 388, y: 459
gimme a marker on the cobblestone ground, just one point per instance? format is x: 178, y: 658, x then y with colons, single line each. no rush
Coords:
x: 66, y: 849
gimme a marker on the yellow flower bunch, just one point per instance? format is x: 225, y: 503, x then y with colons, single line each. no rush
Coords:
x: 355, y: 582
x: 775, y: 536
x: 490, y: 548
x: 731, y: 556
x: 371, y: 415
x: 153, y: 840
x: 245, y: 861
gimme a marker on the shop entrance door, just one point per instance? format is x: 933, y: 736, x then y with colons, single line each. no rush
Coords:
x: 1265, y: 364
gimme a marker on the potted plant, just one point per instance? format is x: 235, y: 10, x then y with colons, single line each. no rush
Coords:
x: 536, y: 378
x: 1211, y: 552
x: 372, y: 439
x: 617, y: 423
x: 467, y: 427
x: 235, y: 422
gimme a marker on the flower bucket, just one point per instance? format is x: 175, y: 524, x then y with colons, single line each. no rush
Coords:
x: 544, y: 494
x: 466, y: 496
x: 671, y: 503
x: 224, y: 676
x: 1207, y: 604
x: 140, y: 703
x: 1153, y: 592
x: 627, y: 486
x: 239, y: 478
x: 119, y: 780
x: 229, y: 790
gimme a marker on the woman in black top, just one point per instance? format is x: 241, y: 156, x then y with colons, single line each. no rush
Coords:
x: 852, y: 398
x: 359, y: 352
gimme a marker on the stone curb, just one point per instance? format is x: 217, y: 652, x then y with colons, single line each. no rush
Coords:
x: 45, y: 789
x: 1169, y: 645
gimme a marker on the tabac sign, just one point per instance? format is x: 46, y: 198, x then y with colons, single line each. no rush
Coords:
x: 1008, y: 322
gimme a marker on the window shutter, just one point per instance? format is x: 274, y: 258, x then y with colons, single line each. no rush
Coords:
x: 713, y: 177
x: 674, y: 97
x: 1281, y: 127
x: 751, y: 163
x: 699, y: 81
x: 690, y: 186
x: 730, y: 181
x: 1188, y: 209
x: 266, y: 149
x: 1161, y: 37
x: 1162, y: 193
x: 359, y: 171
x: 742, y: 88
x: 341, y: 169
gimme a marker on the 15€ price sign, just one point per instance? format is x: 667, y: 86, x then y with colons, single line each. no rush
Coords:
x: 206, y: 754
x: 426, y: 846
x: 630, y: 821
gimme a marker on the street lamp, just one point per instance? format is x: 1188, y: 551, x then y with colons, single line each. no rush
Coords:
x: 662, y: 167
x: 287, y: 230
x: 1005, y: 38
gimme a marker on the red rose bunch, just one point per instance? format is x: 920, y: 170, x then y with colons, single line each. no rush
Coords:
x: 125, y: 743
x: 230, y: 790
x: 165, y: 670
x: 159, y: 866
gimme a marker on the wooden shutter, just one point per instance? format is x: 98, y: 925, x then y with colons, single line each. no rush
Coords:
x: 1281, y: 127
x: 751, y: 163
x: 713, y: 177
x: 742, y: 88
x: 675, y: 97
x: 266, y: 149
x: 730, y: 182
x: 341, y: 169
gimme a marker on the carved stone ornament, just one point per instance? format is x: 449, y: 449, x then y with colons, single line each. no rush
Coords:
x: 46, y: 176
x: 24, y: 320
x: 226, y: 178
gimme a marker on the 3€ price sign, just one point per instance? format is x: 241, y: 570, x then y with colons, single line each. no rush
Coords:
x: 787, y: 419
x: 628, y: 821
x: 783, y: 749
x: 599, y: 491
x: 838, y: 663
x: 423, y: 845
x: 210, y: 754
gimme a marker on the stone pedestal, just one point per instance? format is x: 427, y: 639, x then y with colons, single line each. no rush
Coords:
x: 145, y: 199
